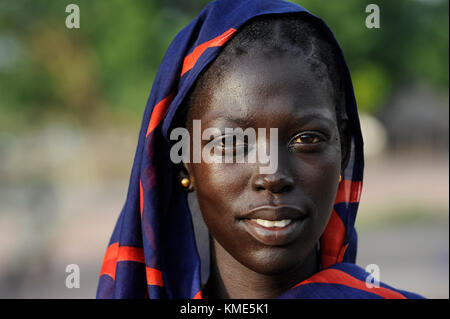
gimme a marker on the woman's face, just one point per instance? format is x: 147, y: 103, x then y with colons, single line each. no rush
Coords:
x: 286, y: 94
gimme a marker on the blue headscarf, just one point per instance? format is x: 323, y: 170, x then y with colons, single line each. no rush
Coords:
x: 153, y: 251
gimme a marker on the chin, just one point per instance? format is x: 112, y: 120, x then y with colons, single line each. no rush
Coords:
x: 273, y: 260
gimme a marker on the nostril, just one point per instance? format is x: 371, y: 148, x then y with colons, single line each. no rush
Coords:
x: 273, y: 184
x: 259, y: 188
x: 286, y: 188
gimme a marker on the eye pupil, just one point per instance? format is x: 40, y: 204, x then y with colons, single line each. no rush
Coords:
x: 231, y: 140
x: 307, y: 139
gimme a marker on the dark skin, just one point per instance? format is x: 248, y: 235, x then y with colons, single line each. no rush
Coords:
x: 259, y: 92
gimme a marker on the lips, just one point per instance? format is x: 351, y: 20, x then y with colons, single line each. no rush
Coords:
x: 269, y: 212
x: 274, y: 225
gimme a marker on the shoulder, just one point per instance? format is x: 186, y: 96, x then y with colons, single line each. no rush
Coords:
x: 345, y: 281
x: 353, y: 274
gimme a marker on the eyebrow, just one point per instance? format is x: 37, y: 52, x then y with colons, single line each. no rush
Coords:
x: 296, y: 117
x: 243, y: 121
x: 309, y: 117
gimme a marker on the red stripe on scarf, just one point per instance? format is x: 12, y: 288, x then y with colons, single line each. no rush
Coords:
x: 348, y: 191
x: 116, y: 253
x: 198, y: 295
x: 128, y: 253
x: 161, y: 108
x: 191, y: 59
x: 340, y: 257
x: 158, y: 113
x: 154, y: 276
x: 335, y: 276
x: 332, y: 240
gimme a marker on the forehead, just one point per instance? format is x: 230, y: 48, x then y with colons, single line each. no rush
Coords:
x: 259, y: 88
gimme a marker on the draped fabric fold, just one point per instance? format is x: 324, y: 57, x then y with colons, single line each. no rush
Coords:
x: 152, y: 252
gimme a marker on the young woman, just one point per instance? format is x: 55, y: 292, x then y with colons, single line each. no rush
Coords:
x: 287, y: 233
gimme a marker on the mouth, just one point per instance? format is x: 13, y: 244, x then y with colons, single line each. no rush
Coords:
x: 274, y: 225
x: 271, y: 223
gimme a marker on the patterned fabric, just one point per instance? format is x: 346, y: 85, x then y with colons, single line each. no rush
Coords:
x: 152, y: 252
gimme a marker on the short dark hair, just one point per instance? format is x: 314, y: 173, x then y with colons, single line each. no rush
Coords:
x: 291, y: 33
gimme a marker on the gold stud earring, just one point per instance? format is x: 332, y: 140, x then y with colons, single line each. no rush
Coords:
x: 340, y: 178
x: 185, y: 182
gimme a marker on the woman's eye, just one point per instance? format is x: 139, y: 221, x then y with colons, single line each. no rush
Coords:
x: 307, y: 139
x: 230, y: 141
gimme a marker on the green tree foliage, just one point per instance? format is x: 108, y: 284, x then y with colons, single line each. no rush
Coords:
x: 410, y: 45
x: 102, y: 73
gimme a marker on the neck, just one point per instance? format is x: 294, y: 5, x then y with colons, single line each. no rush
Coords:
x: 229, y: 279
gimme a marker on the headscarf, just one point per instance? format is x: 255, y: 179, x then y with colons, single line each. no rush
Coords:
x: 153, y: 251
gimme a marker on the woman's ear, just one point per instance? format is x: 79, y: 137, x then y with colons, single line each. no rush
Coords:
x: 344, y: 131
x: 185, y: 179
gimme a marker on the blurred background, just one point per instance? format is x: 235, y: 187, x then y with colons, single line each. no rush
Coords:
x: 71, y: 102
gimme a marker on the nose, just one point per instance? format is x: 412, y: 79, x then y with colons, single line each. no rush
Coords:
x: 278, y: 182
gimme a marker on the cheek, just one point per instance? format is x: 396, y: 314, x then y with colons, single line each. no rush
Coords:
x: 218, y: 188
x: 216, y: 182
x: 220, y: 191
x: 319, y: 177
